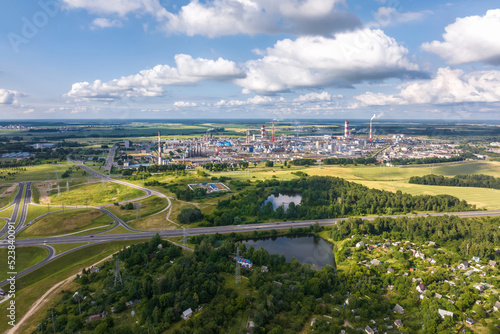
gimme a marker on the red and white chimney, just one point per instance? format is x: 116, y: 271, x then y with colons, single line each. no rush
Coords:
x: 371, y: 129
x: 159, y: 148
x: 346, y: 130
x: 263, y: 131
x: 272, y: 137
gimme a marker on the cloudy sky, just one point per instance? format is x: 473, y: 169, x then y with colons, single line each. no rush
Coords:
x: 63, y: 59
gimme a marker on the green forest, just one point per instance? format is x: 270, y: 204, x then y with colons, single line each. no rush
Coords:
x: 465, y: 180
x: 323, y: 198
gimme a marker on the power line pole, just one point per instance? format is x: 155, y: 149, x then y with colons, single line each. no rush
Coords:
x: 53, y: 323
x: 184, y: 237
x: 118, y: 277
x: 237, y: 274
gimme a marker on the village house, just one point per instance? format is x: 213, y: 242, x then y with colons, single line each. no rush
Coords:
x: 187, y: 314
x: 463, y: 266
x: 443, y: 313
x: 496, y: 307
x: 369, y: 330
x: 94, y: 317
x: 398, y: 309
x: 421, y: 288
x: 398, y: 323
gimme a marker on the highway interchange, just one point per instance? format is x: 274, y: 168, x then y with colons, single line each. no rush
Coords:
x: 22, y: 202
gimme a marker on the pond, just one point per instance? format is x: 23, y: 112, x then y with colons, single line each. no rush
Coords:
x: 308, y: 249
x: 282, y: 199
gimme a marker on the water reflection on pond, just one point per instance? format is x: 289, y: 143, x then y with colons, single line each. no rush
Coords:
x: 308, y: 249
x: 282, y: 199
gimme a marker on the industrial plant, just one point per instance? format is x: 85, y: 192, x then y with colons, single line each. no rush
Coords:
x: 258, y: 146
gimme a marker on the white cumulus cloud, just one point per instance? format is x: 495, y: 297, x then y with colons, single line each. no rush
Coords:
x: 184, y: 104
x: 256, y: 100
x: 118, y: 7
x: 102, y: 23
x: 148, y: 83
x: 10, y: 97
x: 314, y: 97
x: 448, y: 87
x: 386, y: 16
x: 230, y: 17
x: 470, y: 39
x: 316, y: 61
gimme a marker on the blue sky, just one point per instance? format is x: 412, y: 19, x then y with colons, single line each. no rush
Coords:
x: 249, y: 58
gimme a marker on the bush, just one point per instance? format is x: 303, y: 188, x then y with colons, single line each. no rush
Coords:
x: 189, y: 215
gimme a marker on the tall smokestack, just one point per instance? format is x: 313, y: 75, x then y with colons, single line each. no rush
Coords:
x: 248, y: 136
x: 370, y: 130
x: 263, y: 131
x: 159, y: 148
x: 272, y: 137
x: 371, y: 120
x: 346, y: 130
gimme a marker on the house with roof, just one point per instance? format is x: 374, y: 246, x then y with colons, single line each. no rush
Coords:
x: 398, y: 323
x: 476, y: 259
x: 479, y: 287
x: 444, y: 313
x: 94, y: 317
x: 369, y: 330
x: 398, y: 309
x: 390, y: 270
x: 463, y: 266
x: 244, y: 262
x: 187, y: 314
x: 375, y: 262
x: 421, y: 288
x: 492, y: 263
x: 496, y: 307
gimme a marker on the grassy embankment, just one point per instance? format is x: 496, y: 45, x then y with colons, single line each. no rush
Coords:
x: 25, y: 257
x: 94, y: 194
x: 68, y: 221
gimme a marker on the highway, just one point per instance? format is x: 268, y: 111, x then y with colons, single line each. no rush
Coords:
x: 137, y: 234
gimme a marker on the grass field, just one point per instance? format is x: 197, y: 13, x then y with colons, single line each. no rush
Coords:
x: 149, y: 206
x: 30, y: 286
x: 69, y: 221
x: 35, y: 173
x: 117, y: 230
x: 7, y: 194
x: 60, y: 248
x: 7, y: 212
x: 95, y: 194
x: 25, y: 258
x: 393, y: 178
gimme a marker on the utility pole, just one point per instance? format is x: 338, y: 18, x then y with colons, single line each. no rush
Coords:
x: 118, y: 277
x: 53, y: 323
x: 184, y: 237
x: 237, y: 273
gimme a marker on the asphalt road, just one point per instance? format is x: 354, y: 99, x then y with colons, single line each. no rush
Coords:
x: 17, y: 204
x: 136, y: 235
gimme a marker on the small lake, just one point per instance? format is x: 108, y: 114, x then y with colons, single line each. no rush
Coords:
x: 283, y: 200
x: 308, y: 249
